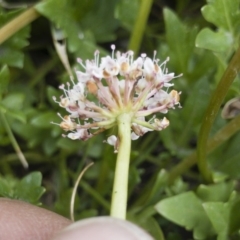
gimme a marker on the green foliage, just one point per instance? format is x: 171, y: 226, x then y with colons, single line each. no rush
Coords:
x: 27, y: 189
x: 223, y: 14
x: 11, y: 53
x: 177, y: 35
x: 186, y: 210
x: 4, y: 79
x: 125, y: 13
x: 214, y: 41
x: 200, y: 46
x: 207, y: 212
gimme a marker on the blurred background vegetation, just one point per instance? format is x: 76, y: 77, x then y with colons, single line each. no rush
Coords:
x: 163, y: 171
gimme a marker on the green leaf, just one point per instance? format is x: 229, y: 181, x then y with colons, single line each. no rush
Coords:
x: 126, y: 12
x: 223, y: 14
x: 231, y: 166
x: 81, y: 41
x: 13, y: 101
x: 219, y: 41
x: 43, y: 120
x: 49, y: 146
x: 230, y: 156
x: 186, y: 210
x: 194, y: 107
x: 177, y: 36
x: 234, y: 217
x: 7, y: 184
x: 34, y: 179
x: 54, y: 10
x: 29, y: 188
x: 4, y: 79
x: 5, y: 191
x: 12, y: 106
x: 145, y: 220
x: 28, y: 132
x: 102, y: 21
x: 218, y: 214
x: 17, y: 114
x: 10, y: 50
x: 215, y: 192
x: 193, y: 110
x: 158, y: 186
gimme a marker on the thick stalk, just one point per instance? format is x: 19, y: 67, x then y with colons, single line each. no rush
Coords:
x: 120, y: 185
x: 18, y: 23
x: 219, y: 138
x: 211, y: 114
x: 140, y: 25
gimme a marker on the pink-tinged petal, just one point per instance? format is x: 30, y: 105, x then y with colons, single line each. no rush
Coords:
x: 113, y: 141
x: 110, y: 67
x: 149, y: 69
x: 121, y: 85
x: 139, y: 130
x: 144, y: 113
x: 88, y: 114
x: 105, y: 97
x: 134, y: 136
x: 83, y: 77
x: 81, y: 134
x: 141, y: 84
x: 114, y: 90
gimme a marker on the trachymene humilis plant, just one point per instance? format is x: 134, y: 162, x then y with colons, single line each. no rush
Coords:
x: 118, y: 91
x: 127, y: 98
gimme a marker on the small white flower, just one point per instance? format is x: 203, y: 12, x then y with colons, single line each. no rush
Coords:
x: 114, y: 85
x: 80, y: 134
x: 113, y: 141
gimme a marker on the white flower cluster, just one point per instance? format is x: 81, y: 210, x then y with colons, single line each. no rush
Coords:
x: 115, y: 85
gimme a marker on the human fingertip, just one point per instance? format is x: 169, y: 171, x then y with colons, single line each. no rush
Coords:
x: 22, y: 221
x: 102, y: 228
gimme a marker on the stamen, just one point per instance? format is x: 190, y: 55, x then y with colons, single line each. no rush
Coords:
x: 154, y: 55
x: 79, y: 60
x: 113, y: 48
x: 62, y: 87
x: 96, y: 57
x: 72, y: 80
x: 55, y: 100
x: 61, y: 117
x: 130, y: 56
x: 55, y: 123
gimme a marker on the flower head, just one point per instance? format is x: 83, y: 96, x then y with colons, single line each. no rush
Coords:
x: 117, y: 84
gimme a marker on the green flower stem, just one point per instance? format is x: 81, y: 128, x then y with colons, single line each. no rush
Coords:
x: 13, y: 140
x: 120, y: 185
x: 140, y: 24
x: 18, y: 23
x: 211, y: 113
x: 219, y: 138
